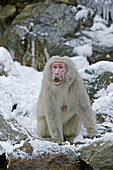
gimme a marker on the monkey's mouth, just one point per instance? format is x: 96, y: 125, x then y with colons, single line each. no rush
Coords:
x: 57, y: 81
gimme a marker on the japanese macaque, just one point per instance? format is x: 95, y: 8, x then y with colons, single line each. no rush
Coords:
x: 63, y: 102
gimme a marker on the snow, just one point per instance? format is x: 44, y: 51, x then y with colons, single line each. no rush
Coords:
x: 98, y: 18
x: 82, y: 14
x: 80, y: 66
x: 8, y: 148
x: 7, y: 62
x: 104, y: 8
x: 82, y: 46
x: 85, y: 50
x: 100, y: 34
x: 49, y: 147
x: 22, y: 85
x: 102, y: 66
x: 104, y: 138
x: 98, y: 26
x: 104, y: 104
x: 24, y: 28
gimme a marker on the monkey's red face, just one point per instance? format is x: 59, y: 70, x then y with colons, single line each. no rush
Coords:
x: 57, y: 70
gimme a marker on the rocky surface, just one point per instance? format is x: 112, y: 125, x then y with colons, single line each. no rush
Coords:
x: 39, y: 33
x: 47, y: 161
x: 98, y: 155
x: 7, y: 132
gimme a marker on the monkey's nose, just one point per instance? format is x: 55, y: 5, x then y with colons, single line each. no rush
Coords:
x: 56, y: 73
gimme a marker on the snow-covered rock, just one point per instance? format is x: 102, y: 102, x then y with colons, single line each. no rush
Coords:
x: 18, y: 98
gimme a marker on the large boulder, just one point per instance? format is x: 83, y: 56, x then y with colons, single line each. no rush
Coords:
x: 98, y: 155
x: 39, y: 32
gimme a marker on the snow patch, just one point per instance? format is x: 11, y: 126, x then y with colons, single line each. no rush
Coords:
x: 85, y: 50
x: 82, y: 15
x: 7, y: 63
x: 101, y: 67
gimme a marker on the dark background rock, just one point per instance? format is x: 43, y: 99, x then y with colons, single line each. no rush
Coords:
x: 38, y: 32
x: 3, y: 161
x: 101, y: 53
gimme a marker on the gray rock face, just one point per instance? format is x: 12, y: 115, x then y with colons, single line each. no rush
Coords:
x: 39, y: 32
x: 101, y: 159
x: 8, y: 133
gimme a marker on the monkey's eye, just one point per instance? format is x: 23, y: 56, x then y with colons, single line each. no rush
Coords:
x: 55, y: 67
x: 60, y: 67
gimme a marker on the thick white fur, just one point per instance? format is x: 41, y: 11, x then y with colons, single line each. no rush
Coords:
x: 51, y: 120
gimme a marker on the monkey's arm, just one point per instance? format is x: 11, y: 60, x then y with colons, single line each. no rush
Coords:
x: 89, y: 121
x: 53, y: 119
x: 86, y: 113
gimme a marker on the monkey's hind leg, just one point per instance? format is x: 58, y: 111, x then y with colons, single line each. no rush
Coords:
x: 42, y: 128
x: 72, y: 128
